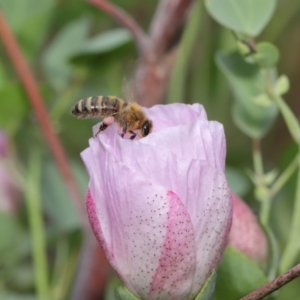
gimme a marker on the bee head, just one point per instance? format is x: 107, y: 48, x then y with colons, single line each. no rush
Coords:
x: 146, y: 128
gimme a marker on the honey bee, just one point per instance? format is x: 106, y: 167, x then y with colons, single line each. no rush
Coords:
x: 129, y: 116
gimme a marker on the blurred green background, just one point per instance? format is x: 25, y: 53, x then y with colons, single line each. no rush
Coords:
x: 76, y: 51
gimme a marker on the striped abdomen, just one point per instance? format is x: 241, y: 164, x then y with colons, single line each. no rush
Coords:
x: 99, y: 106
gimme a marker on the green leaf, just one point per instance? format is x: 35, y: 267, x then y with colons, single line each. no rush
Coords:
x: 66, y: 44
x: 123, y: 294
x: 237, y: 276
x: 270, y: 176
x: 57, y: 202
x: 207, y: 291
x: 110, y: 290
x: 238, y: 181
x: 267, y: 55
x: 29, y: 19
x: 243, y: 48
x: 14, y: 296
x: 105, y: 42
x: 289, y: 118
x: 14, y: 108
x: 22, y: 276
x: 245, y: 16
x: 13, y: 244
x: 247, y: 82
x: 263, y: 100
x: 282, y: 85
x: 3, y: 76
x: 10, y: 233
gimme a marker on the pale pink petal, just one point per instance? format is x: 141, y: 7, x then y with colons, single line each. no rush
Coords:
x: 160, y: 206
x: 167, y: 116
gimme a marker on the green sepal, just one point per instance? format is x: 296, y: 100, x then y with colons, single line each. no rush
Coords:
x: 123, y: 294
x: 208, y: 289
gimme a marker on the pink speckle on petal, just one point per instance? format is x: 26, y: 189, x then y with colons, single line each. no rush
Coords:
x: 94, y: 221
x: 178, y: 258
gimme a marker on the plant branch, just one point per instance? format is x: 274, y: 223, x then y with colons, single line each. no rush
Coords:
x: 167, y: 24
x: 274, y: 285
x: 30, y: 86
x: 157, y: 51
x: 126, y: 20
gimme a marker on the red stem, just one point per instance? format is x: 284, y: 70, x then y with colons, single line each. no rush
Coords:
x: 126, y: 20
x: 274, y: 285
x: 30, y: 85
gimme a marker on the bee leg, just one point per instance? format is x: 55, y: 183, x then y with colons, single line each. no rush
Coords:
x: 124, y: 130
x: 102, y: 127
x: 133, y: 135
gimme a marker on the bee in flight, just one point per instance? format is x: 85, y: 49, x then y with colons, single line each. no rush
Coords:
x: 129, y: 116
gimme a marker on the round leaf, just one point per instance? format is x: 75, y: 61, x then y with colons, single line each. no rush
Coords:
x: 14, y: 109
x: 282, y: 85
x: 267, y: 55
x: 238, y: 181
x: 246, y: 80
x: 247, y: 16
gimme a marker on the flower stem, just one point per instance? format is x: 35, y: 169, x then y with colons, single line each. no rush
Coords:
x: 285, y: 176
x: 66, y: 265
x: 293, y: 245
x: 179, y: 74
x: 261, y: 190
x: 257, y: 158
x: 32, y: 196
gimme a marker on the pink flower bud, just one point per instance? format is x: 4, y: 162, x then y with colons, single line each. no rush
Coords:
x: 246, y: 234
x: 3, y: 145
x: 9, y: 192
x: 160, y: 206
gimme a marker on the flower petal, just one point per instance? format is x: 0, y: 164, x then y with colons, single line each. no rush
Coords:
x: 132, y: 217
x: 174, y: 277
x: 165, y: 116
x: 200, y: 140
x: 212, y: 224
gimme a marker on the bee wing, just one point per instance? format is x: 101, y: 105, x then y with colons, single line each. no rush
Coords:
x: 129, y: 90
